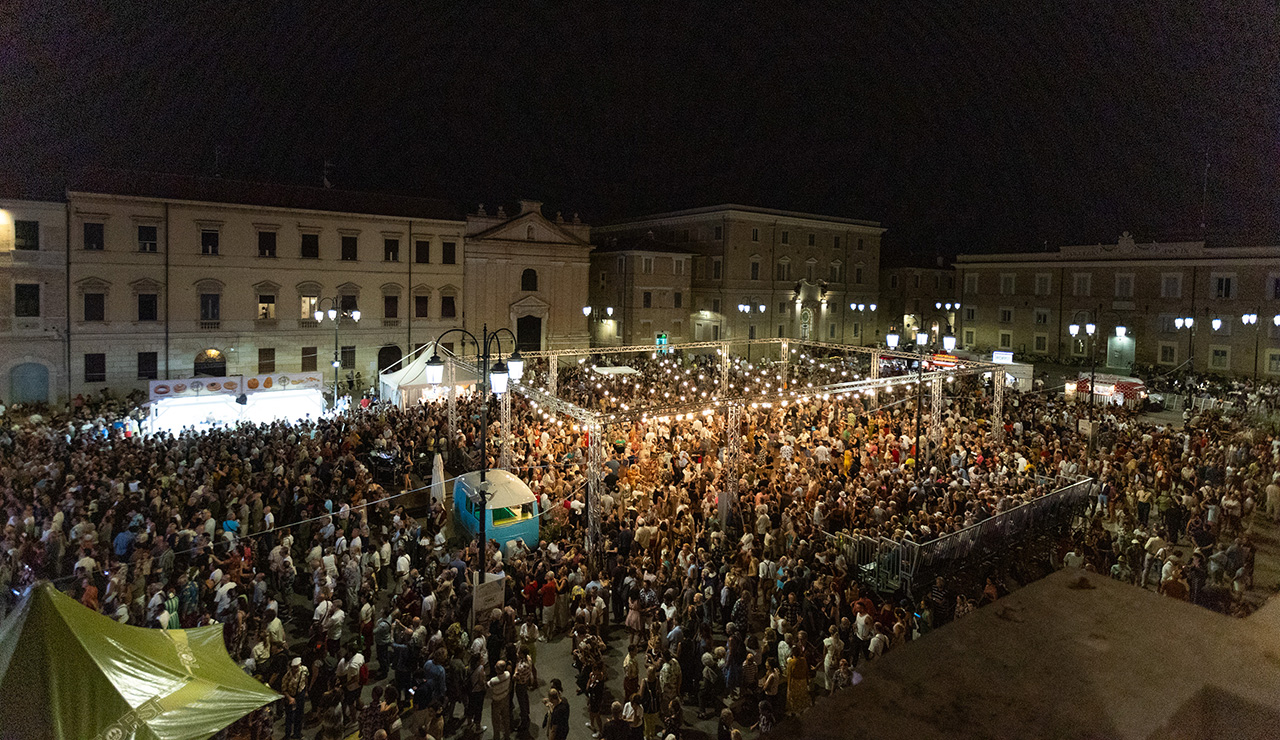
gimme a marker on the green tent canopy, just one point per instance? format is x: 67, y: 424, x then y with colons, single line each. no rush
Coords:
x: 68, y: 672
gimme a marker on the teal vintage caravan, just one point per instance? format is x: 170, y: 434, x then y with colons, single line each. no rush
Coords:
x: 512, y: 508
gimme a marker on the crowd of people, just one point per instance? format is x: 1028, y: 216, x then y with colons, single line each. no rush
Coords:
x: 359, y: 611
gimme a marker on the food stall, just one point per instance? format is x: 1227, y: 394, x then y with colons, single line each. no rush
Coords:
x: 1118, y: 390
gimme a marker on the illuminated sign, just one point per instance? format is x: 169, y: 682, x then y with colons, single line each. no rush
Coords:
x: 1003, y: 358
x: 946, y: 360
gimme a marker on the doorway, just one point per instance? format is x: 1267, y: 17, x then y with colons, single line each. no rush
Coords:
x: 1120, y: 352
x: 29, y: 383
x: 388, y: 356
x: 210, y: 362
x: 529, y: 333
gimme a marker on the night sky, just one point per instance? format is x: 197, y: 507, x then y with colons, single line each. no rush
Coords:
x: 960, y: 127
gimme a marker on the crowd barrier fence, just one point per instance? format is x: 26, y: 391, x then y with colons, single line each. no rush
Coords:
x: 890, y: 565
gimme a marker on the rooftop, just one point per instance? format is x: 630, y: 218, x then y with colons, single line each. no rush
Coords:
x: 166, y: 186
x: 724, y: 209
x: 1052, y: 660
x: 1128, y: 248
x: 644, y: 243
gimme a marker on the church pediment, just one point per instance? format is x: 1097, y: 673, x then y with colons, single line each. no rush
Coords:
x: 533, y: 228
x: 530, y: 302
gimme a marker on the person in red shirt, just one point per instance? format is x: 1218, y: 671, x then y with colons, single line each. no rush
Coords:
x: 532, y: 598
x: 549, y: 604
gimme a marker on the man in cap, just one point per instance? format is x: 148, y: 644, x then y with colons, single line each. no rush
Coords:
x: 294, y: 688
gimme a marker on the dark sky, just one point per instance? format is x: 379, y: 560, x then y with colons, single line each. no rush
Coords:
x: 959, y: 125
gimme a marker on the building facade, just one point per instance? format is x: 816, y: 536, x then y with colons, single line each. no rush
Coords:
x: 127, y: 277
x: 757, y: 272
x: 33, y: 257
x: 1027, y: 303
x: 914, y: 299
x: 528, y: 273
x: 171, y: 277
x: 641, y: 288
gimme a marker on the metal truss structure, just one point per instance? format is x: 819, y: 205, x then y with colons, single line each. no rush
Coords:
x: 505, y: 439
x: 997, y: 404
x: 596, y: 422
x: 732, y: 462
x: 595, y: 488
x: 935, y: 414
x: 451, y: 379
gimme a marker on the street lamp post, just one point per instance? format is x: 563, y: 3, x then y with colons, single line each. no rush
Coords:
x: 1189, y: 323
x: 745, y: 308
x: 862, y: 308
x: 891, y: 341
x: 493, y: 381
x: 336, y: 314
x: 1089, y: 329
x: 1252, y: 318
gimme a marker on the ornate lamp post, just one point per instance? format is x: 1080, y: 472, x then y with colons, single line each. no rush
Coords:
x: 862, y: 308
x: 336, y: 314
x: 493, y: 380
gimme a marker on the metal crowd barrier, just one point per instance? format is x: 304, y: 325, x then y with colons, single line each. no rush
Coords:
x: 888, y: 565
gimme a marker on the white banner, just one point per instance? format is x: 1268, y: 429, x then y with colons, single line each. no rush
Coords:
x: 284, y: 382
x: 191, y: 387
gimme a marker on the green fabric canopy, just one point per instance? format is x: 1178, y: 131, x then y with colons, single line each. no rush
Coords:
x: 68, y: 672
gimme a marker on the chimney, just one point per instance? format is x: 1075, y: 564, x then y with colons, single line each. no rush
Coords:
x: 530, y: 206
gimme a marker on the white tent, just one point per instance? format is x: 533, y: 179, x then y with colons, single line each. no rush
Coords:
x: 408, y: 384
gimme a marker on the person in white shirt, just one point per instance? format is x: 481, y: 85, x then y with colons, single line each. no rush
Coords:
x: 222, y: 596
x: 878, y: 643
x: 499, y: 690
x: 402, y: 571
x: 349, y: 673
x: 480, y: 645
x: 333, y: 624
x: 275, y: 629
